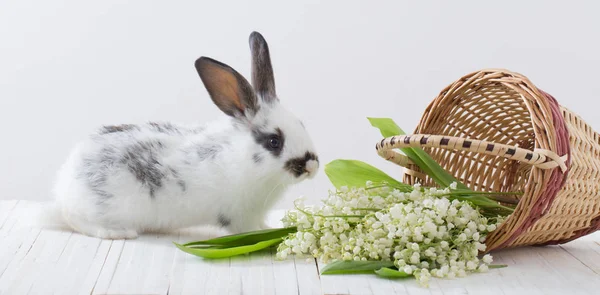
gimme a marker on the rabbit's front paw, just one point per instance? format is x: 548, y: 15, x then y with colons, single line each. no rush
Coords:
x: 120, y: 234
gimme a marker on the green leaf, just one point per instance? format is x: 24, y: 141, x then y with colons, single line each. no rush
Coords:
x: 247, y: 238
x: 354, y: 267
x: 492, y: 266
x: 217, y: 252
x: 353, y: 173
x: 391, y: 273
x: 388, y: 128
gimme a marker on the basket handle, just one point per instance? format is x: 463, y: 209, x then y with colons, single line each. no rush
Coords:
x: 540, y: 158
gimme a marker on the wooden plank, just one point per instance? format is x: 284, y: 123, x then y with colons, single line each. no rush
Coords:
x: 63, y: 270
x: 76, y: 269
x: 239, y: 278
x: 39, y: 259
x: 58, y: 271
x: 291, y: 275
x: 190, y: 274
x: 412, y: 287
x: 14, y: 249
x: 485, y: 284
x: 108, y: 268
x: 254, y: 274
x: 581, y: 278
x: 334, y: 284
x: 218, y: 272
x: 12, y: 216
x: 258, y: 277
x: 393, y: 286
x: 528, y: 272
x: 519, y: 276
x: 308, y: 279
x: 15, y: 243
x: 96, y: 266
x: 143, y: 266
x: 443, y: 286
x: 285, y: 276
x: 157, y: 276
x: 6, y: 208
x: 587, y: 252
x: 10, y: 241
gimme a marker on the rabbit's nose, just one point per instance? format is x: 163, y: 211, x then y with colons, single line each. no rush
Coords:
x: 306, y: 164
x: 312, y: 166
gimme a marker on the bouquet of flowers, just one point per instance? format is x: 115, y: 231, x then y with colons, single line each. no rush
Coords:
x: 373, y: 223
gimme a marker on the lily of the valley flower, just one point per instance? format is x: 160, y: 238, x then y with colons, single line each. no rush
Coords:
x: 422, y: 232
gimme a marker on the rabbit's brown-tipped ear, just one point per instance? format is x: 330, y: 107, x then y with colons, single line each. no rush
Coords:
x: 263, y: 79
x: 227, y: 88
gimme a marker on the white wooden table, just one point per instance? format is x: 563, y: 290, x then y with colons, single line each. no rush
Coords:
x: 34, y: 261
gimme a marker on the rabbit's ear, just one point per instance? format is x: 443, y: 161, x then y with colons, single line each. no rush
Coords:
x: 262, y: 71
x: 227, y: 88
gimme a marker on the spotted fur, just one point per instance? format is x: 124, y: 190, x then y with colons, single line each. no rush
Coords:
x: 257, y: 158
x: 223, y: 220
x: 118, y: 128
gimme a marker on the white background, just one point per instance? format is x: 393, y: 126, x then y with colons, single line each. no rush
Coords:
x: 67, y: 67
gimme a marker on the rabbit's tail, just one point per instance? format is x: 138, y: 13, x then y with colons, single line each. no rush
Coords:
x: 49, y: 216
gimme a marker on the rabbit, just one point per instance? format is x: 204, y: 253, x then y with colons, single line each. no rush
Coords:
x: 125, y: 180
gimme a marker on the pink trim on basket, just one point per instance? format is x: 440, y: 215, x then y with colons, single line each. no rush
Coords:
x: 594, y: 226
x: 557, y: 178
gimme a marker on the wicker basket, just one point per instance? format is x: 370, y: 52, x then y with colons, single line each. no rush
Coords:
x: 495, y: 131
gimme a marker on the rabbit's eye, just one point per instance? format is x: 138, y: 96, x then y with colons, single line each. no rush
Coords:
x: 274, y: 143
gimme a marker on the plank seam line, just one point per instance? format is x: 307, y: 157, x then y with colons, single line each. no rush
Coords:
x: 12, y: 209
x: 586, y: 266
x: 103, y: 264
x: 57, y: 261
x: 296, y: 272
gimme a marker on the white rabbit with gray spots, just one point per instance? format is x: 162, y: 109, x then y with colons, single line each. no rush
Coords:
x: 125, y: 180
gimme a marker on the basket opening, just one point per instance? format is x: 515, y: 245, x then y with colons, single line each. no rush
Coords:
x: 488, y: 111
